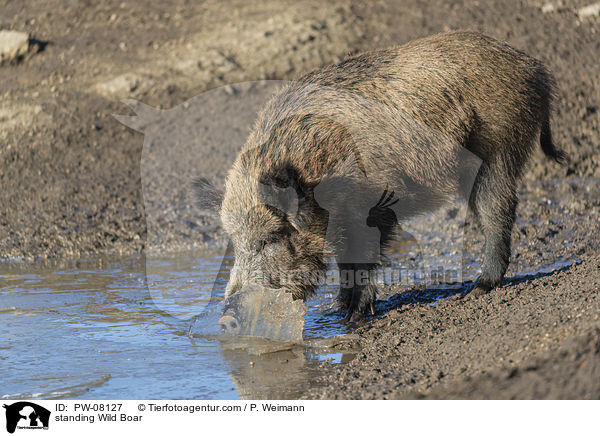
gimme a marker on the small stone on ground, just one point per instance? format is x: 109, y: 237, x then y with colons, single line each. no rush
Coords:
x: 13, y: 45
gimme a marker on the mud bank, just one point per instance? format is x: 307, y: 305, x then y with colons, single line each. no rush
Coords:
x: 530, y: 340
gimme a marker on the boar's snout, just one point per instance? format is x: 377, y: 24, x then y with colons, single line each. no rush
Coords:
x: 228, y: 324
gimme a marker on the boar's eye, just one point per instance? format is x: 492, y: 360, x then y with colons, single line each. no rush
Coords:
x: 271, y: 238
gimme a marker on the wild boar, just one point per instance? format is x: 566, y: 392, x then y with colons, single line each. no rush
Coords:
x: 338, y: 158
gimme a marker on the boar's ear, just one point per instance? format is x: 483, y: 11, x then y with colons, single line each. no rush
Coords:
x: 207, y: 198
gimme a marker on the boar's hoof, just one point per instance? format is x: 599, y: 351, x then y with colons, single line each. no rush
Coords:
x: 477, y: 292
x: 354, y: 316
x: 482, y: 287
x: 228, y: 324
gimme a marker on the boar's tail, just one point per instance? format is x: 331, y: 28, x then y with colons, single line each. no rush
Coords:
x: 548, y: 146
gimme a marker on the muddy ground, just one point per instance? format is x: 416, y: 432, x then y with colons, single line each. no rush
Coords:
x: 72, y: 184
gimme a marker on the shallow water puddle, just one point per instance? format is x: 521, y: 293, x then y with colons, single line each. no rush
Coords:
x: 92, y: 329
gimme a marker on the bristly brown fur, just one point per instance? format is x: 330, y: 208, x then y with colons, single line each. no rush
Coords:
x: 397, y: 118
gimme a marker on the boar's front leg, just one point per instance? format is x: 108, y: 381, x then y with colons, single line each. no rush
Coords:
x: 358, y: 289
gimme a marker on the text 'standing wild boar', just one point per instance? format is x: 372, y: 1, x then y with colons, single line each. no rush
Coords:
x: 338, y: 158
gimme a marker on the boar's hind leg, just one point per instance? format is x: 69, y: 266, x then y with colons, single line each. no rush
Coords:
x: 357, y: 289
x: 493, y: 201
